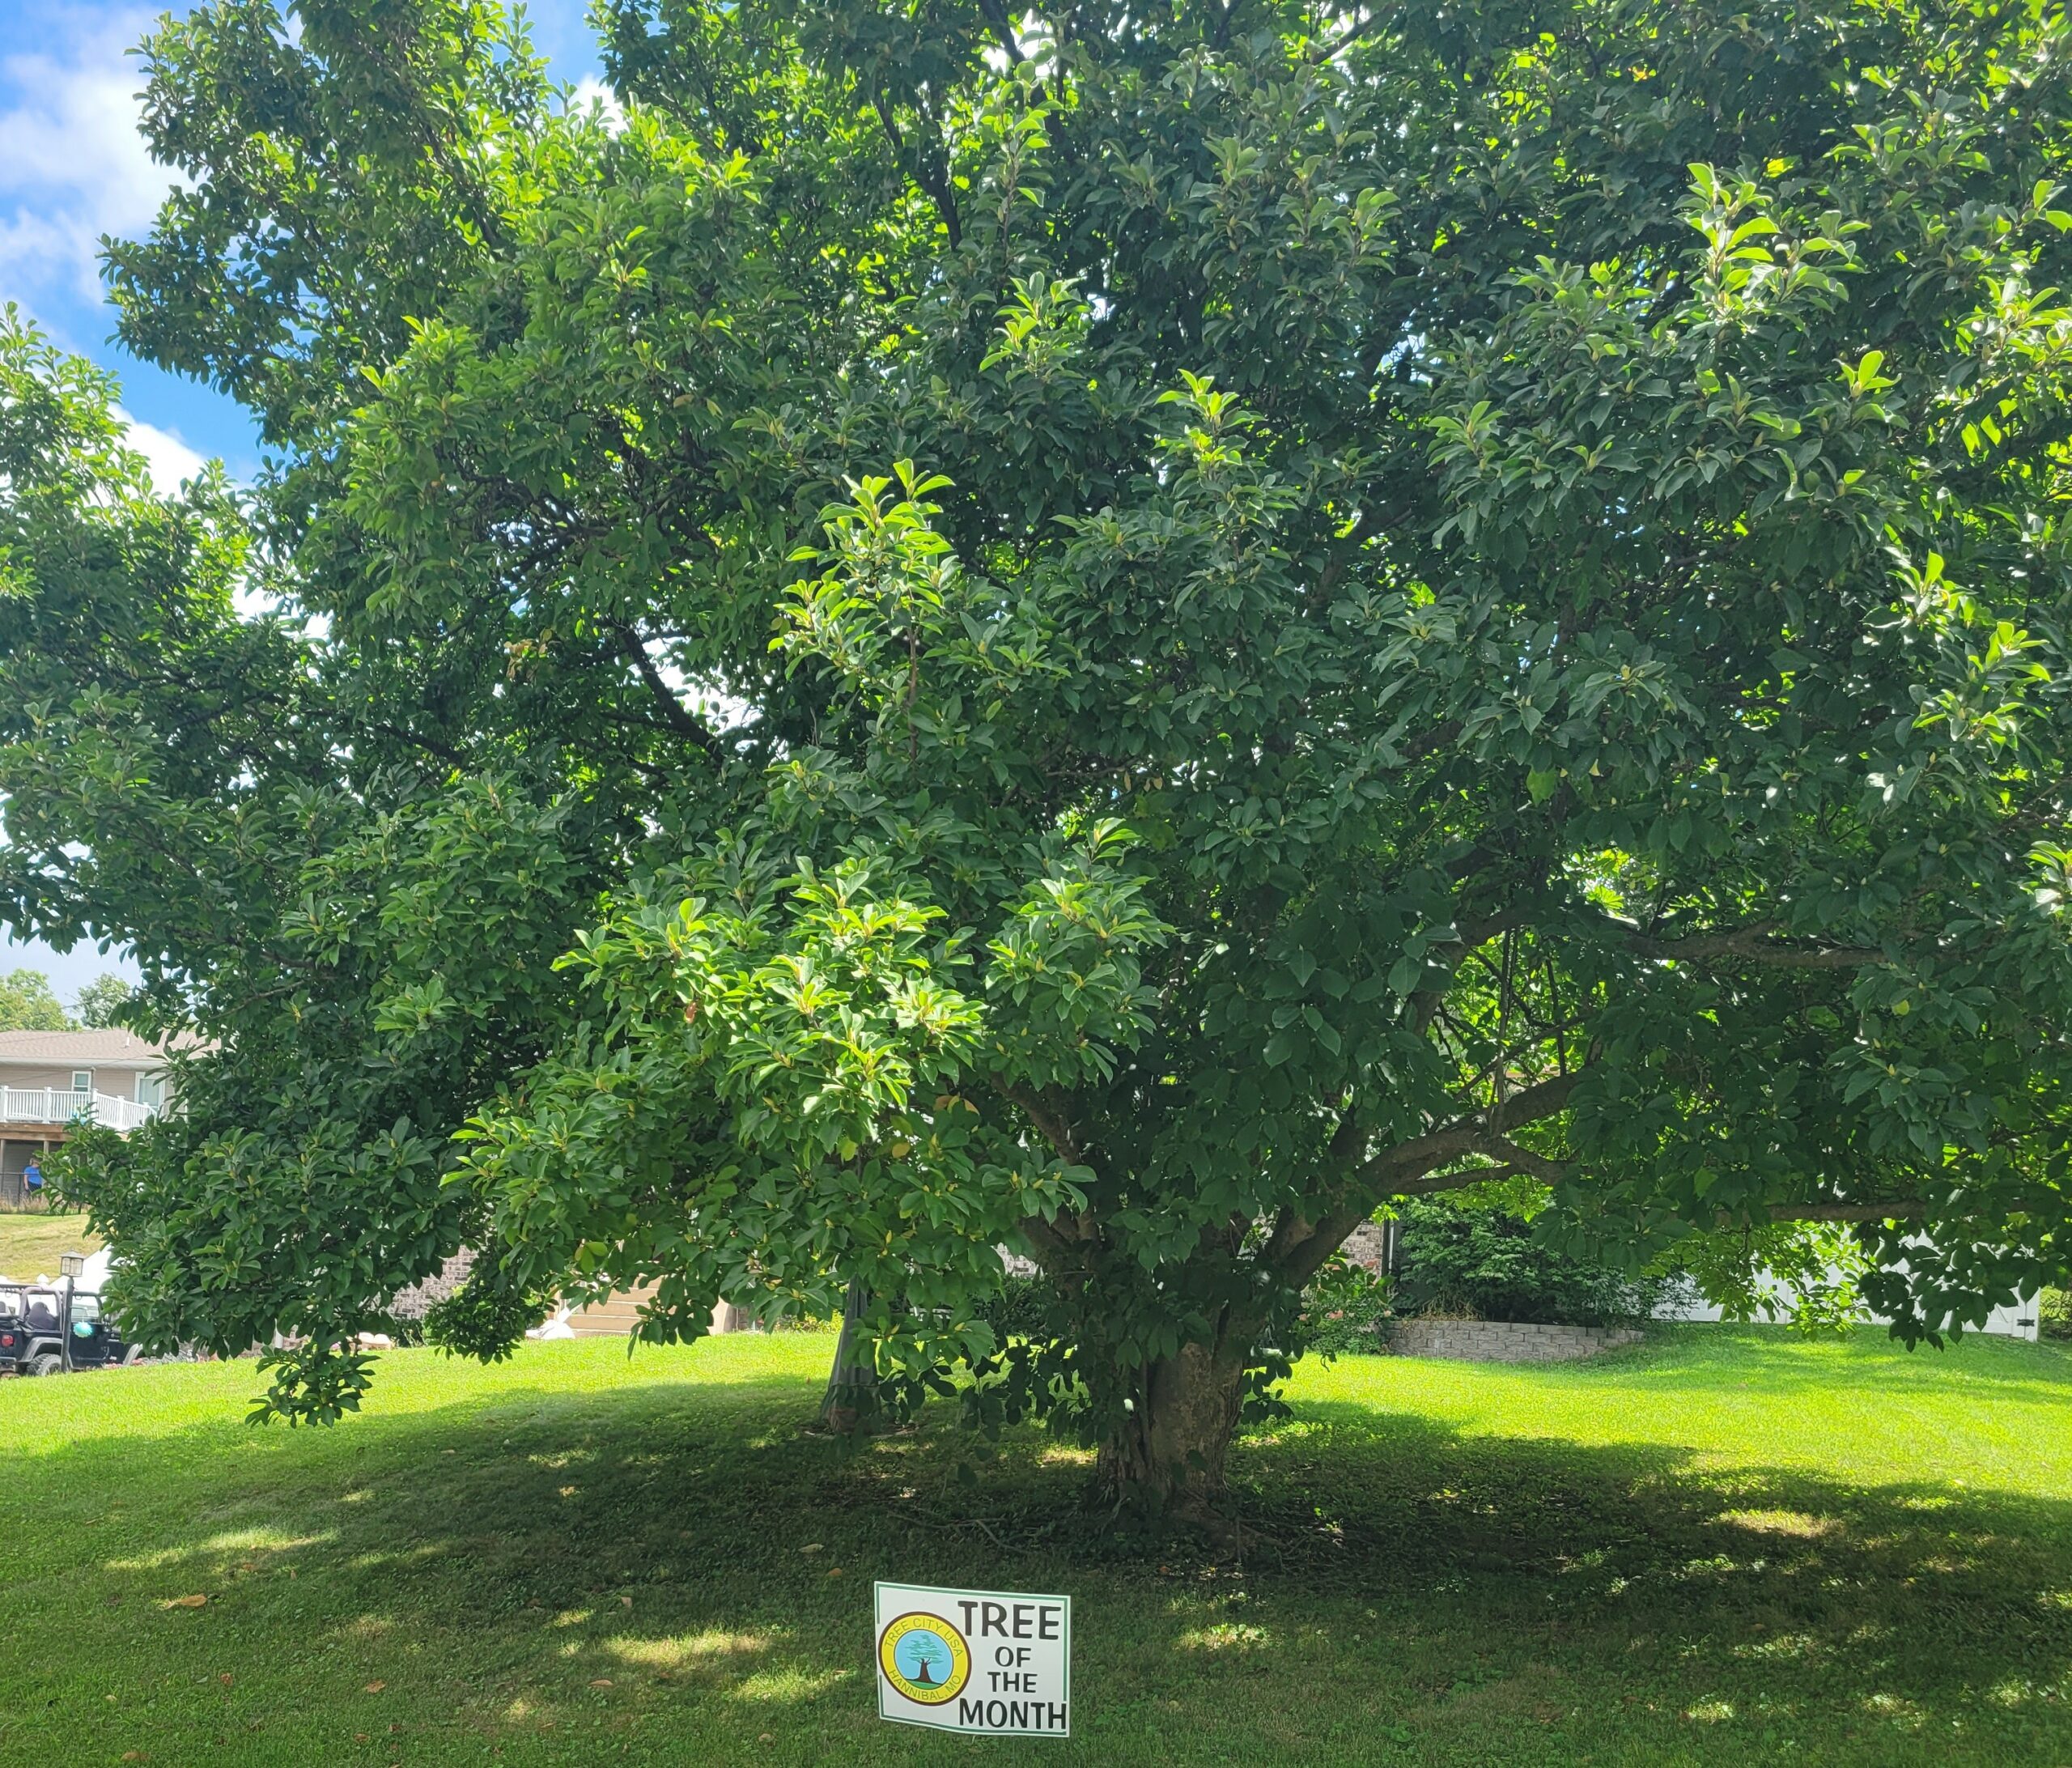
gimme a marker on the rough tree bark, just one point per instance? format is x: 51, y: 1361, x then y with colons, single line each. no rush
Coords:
x: 851, y: 1395
x: 1168, y: 1453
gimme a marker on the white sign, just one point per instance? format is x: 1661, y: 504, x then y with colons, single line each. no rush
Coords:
x: 996, y: 1662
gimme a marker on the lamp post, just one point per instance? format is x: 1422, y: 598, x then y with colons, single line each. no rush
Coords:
x: 71, y: 1266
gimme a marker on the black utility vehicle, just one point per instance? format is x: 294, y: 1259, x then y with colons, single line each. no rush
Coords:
x: 14, y: 1329
x: 48, y: 1331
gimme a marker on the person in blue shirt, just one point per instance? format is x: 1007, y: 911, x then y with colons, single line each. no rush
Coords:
x: 32, y: 1180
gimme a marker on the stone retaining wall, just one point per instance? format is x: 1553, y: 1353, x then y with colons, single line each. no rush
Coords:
x: 1499, y: 1340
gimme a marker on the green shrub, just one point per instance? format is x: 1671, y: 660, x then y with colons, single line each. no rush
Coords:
x: 806, y: 1320
x: 1478, y: 1262
x: 1343, y: 1310
x: 2054, y: 1313
x: 1022, y: 1309
x: 487, y: 1317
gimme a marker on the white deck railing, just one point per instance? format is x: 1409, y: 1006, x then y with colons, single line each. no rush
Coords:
x: 61, y: 1105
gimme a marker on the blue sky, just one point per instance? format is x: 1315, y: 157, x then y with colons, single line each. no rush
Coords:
x: 73, y: 169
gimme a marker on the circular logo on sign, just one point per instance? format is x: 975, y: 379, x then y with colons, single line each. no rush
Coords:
x: 925, y: 1657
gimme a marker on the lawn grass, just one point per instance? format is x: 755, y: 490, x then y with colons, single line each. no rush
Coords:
x: 1729, y: 1546
x: 31, y: 1242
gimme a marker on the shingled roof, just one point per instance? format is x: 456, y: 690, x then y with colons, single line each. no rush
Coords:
x: 79, y: 1049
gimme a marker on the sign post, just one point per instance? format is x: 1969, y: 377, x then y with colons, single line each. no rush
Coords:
x: 994, y: 1662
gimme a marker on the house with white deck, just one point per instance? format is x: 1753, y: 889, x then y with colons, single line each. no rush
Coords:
x: 52, y: 1081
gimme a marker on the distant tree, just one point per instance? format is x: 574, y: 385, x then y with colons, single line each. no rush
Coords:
x: 27, y: 1003
x: 101, y: 1000
x: 1122, y: 631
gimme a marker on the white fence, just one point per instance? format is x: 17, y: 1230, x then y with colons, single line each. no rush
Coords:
x: 1685, y: 1303
x: 61, y: 1105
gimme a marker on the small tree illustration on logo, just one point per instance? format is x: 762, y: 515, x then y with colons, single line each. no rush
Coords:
x: 924, y: 1658
x: 928, y: 1652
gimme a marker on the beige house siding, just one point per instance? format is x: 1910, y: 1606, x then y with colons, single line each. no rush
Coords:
x: 116, y: 1082
x: 613, y: 1317
x: 617, y: 1314
x: 60, y: 1080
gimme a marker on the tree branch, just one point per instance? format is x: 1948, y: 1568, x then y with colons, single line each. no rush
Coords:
x: 1518, y: 1159
x: 1299, y: 1247
x: 1003, y: 27
x: 1902, y: 1210
x: 1045, y: 1115
x: 1530, y: 1104
x: 1345, y: 551
x: 1292, y: 1229
x: 1667, y: 299
x: 1053, y: 1250
x: 935, y: 184
x: 1347, y: 38
x: 1751, y: 944
x: 431, y: 745
x: 690, y: 730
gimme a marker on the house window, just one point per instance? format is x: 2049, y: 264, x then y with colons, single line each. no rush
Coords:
x: 150, y: 1091
x: 83, y: 1080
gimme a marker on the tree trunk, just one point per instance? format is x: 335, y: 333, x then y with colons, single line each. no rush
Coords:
x: 851, y: 1395
x: 1167, y: 1454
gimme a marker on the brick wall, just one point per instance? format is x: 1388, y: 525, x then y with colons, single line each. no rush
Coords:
x: 419, y: 1298
x: 1372, y: 1247
x: 1497, y: 1341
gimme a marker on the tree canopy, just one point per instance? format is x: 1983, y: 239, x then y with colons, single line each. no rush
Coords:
x: 1123, y: 632
x: 27, y: 1003
x: 101, y: 1001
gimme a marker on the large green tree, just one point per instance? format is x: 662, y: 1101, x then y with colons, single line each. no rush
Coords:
x: 1120, y: 631
x: 28, y: 1004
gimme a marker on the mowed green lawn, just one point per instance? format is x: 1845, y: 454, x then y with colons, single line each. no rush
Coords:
x: 30, y: 1244
x: 1728, y: 1547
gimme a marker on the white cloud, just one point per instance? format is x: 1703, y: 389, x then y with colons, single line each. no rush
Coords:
x: 170, y: 459
x: 72, y: 165
x: 590, y: 90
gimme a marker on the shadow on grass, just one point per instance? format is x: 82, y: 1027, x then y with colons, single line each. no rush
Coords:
x: 682, y: 1547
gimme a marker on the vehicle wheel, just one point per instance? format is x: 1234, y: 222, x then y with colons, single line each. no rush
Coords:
x: 49, y: 1363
